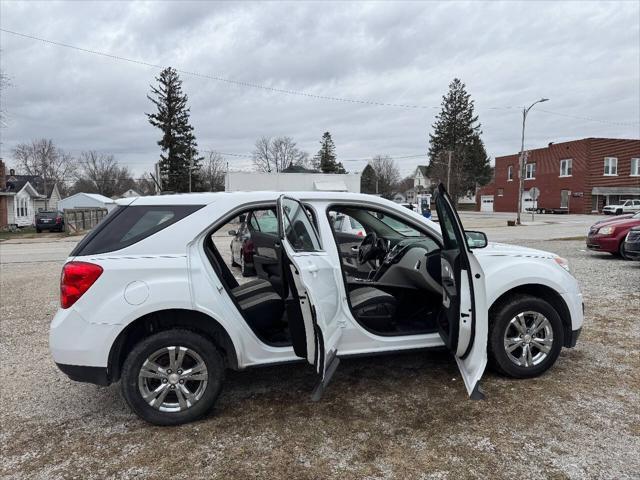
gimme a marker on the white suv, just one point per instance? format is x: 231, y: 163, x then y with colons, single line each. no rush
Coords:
x: 625, y: 206
x: 148, y: 299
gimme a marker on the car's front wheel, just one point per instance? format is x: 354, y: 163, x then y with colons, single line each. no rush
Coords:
x: 172, y: 377
x: 525, y: 337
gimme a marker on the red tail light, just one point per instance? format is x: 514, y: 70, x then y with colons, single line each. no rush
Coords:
x: 76, y: 279
x: 360, y: 234
x: 58, y: 219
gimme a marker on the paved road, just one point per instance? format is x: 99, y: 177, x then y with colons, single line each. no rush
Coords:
x: 37, y: 251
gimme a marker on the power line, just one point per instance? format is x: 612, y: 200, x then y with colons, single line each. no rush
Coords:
x: 590, y: 119
x: 220, y: 79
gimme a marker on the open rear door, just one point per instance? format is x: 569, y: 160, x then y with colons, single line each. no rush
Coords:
x: 313, y: 280
x: 464, y: 323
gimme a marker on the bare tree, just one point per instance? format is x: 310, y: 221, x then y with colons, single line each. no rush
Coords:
x: 4, y: 84
x: 262, y: 160
x: 41, y: 157
x: 145, y: 185
x: 275, y: 155
x: 212, y: 172
x: 101, y: 173
x: 386, y: 174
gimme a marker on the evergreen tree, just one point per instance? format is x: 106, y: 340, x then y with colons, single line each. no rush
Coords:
x: 326, y: 157
x: 457, y: 130
x: 368, y: 180
x: 178, y: 142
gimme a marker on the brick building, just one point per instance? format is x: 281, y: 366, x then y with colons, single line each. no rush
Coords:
x: 580, y: 176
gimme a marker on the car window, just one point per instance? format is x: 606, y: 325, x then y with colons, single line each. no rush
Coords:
x: 126, y: 225
x: 448, y: 233
x: 398, y: 226
x: 265, y: 221
x: 298, y: 227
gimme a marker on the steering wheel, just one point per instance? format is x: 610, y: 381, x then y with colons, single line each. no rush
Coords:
x: 368, y: 248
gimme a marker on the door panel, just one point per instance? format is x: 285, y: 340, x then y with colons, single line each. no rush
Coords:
x: 463, y: 324
x: 316, y: 276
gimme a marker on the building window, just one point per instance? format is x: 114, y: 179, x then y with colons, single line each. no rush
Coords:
x: 530, y: 172
x: 610, y: 166
x: 510, y: 173
x: 566, y: 167
x: 635, y: 167
x: 501, y: 192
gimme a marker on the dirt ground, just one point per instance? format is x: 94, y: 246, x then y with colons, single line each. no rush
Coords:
x: 396, y: 417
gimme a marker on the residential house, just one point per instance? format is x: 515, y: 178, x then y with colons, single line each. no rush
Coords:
x: 579, y: 176
x: 23, y: 196
x: 420, y: 179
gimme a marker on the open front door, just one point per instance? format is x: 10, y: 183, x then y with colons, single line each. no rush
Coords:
x: 313, y: 303
x: 464, y: 323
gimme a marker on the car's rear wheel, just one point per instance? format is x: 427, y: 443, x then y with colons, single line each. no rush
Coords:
x: 233, y: 260
x: 246, y: 271
x: 619, y: 211
x: 525, y: 338
x: 172, y: 377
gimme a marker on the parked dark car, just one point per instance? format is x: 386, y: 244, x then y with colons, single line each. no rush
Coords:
x: 262, y: 224
x: 610, y: 236
x: 632, y: 244
x: 50, y: 220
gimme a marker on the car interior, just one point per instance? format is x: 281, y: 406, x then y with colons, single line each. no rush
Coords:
x: 391, y: 270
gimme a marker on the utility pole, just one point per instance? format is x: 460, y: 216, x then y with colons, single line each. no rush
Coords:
x: 521, y: 160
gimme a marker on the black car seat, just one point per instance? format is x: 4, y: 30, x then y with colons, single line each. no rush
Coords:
x: 373, y: 308
x: 254, y: 287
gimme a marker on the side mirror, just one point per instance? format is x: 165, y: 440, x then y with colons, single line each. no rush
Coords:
x: 233, y: 233
x: 242, y: 218
x: 476, y: 239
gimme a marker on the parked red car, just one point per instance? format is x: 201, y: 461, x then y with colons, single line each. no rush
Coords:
x: 608, y: 236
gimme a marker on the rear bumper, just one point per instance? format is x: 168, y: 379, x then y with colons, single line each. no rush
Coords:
x: 80, y: 373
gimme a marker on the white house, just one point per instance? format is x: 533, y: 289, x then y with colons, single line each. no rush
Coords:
x: 86, y: 200
x: 283, y: 182
x: 420, y: 179
x: 130, y: 193
x: 21, y: 205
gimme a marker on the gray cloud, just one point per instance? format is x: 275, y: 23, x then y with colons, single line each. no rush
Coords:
x: 584, y: 57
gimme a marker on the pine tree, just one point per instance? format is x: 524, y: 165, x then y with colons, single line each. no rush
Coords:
x: 457, y: 130
x: 326, y: 157
x: 368, y: 180
x: 178, y: 142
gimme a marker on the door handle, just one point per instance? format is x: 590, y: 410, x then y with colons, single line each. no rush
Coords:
x: 354, y: 249
x: 312, y: 268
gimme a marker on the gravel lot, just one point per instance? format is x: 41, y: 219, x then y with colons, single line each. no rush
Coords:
x: 401, y: 416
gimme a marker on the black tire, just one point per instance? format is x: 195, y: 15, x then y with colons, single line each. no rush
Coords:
x: 146, y: 347
x: 246, y: 271
x: 621, y: 250
x: 233, y: 260
x: 619, y: 211
x: 499, y: 322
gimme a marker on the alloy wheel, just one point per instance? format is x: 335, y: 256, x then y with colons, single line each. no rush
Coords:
x: 528, y: 339
x: 173, y: 379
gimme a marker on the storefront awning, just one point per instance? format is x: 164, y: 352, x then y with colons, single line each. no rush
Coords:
x: 615, y: 191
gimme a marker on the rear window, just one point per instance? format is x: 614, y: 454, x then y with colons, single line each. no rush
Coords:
x: 127, y: 225
x: 48, y: 215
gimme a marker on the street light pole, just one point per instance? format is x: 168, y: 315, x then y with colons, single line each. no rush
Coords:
x: 525, y: 111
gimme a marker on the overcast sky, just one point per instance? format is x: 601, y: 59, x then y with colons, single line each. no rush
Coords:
x: 584, y: 56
